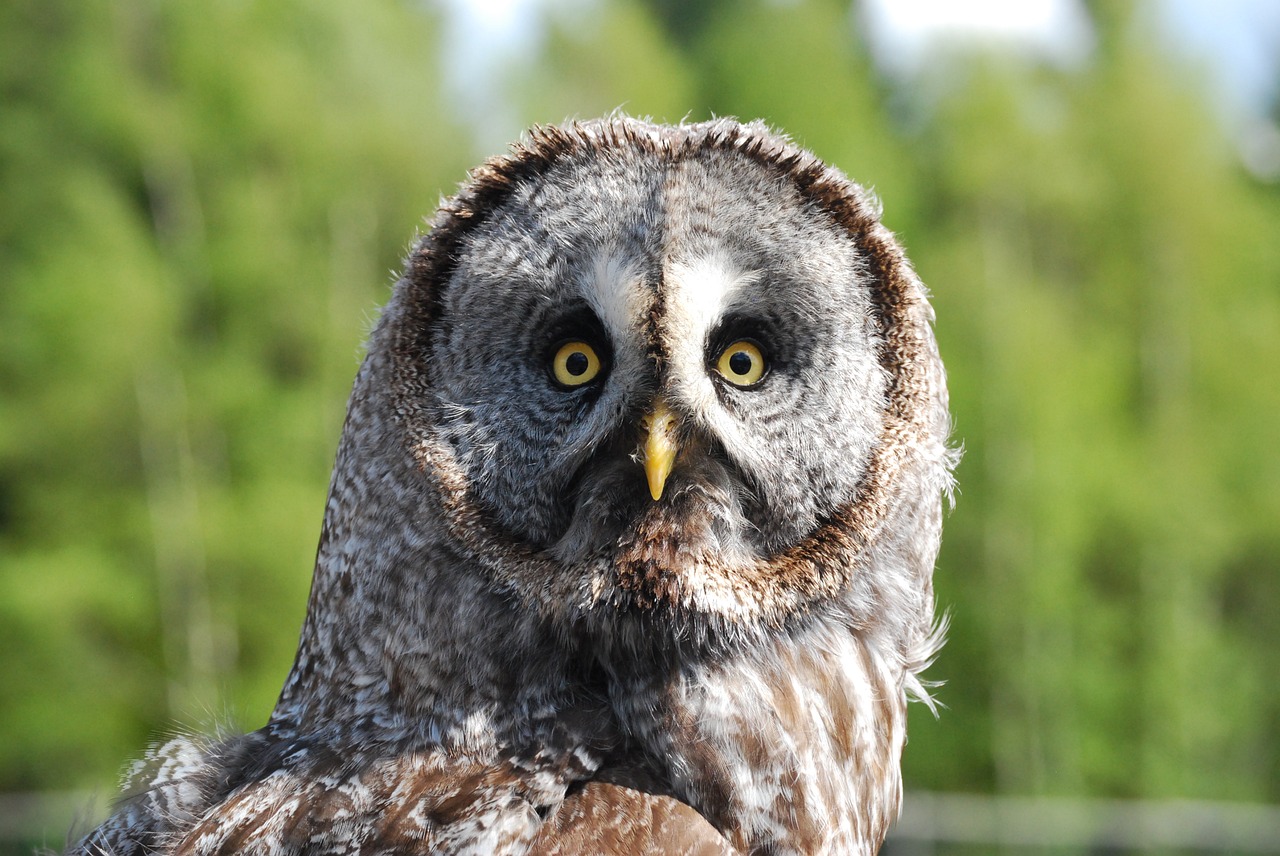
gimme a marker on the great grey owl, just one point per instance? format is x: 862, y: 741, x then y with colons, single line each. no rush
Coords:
x: 630, y: 539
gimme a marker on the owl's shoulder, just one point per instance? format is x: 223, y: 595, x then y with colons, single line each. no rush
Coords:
x: 252, y: 795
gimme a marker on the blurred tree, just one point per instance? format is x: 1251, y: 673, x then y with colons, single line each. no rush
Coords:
x: 1107, y: 288
x: 202, y: 203
x: 600, y: 57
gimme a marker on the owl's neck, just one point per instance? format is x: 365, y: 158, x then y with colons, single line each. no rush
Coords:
x: 418, y: 650
x: 402, y: 637
x: 792, y: 749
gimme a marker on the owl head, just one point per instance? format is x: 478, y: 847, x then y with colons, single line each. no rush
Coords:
x: 678, y: 374
x: 661, y: 386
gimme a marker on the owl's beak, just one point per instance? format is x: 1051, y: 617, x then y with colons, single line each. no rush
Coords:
x: 660, y: 446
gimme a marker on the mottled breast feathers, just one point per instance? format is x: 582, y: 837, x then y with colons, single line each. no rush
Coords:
x: 630, y: 539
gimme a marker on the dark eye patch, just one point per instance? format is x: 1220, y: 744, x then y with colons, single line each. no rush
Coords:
x: 577, y: 323
x: 773, y: 341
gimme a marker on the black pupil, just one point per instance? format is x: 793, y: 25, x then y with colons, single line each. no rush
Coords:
x: 577, y: 364
x: 740, y: 363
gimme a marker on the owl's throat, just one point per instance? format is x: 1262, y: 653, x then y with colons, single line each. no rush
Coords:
x: 682, y: 549
x: 666, y: 552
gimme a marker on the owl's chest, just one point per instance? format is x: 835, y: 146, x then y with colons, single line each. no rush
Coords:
x: 793, y: 750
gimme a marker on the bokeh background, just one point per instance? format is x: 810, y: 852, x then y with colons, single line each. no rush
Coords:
x: 203, y: 203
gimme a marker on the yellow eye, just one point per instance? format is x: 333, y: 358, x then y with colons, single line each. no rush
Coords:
x: 742, y: 363
x: 575, y: 363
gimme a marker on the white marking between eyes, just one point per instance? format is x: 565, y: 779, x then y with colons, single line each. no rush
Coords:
x: 699, y: 291
x: 615, y: 291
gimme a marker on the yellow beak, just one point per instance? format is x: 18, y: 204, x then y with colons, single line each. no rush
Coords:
x: 659, y: 446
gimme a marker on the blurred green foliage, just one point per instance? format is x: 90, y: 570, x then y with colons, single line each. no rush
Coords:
x: 202, y: 206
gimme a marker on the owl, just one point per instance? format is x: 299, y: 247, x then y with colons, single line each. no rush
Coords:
x: 630, y: 539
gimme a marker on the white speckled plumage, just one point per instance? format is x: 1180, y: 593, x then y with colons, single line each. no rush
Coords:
x: 512, y: 648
